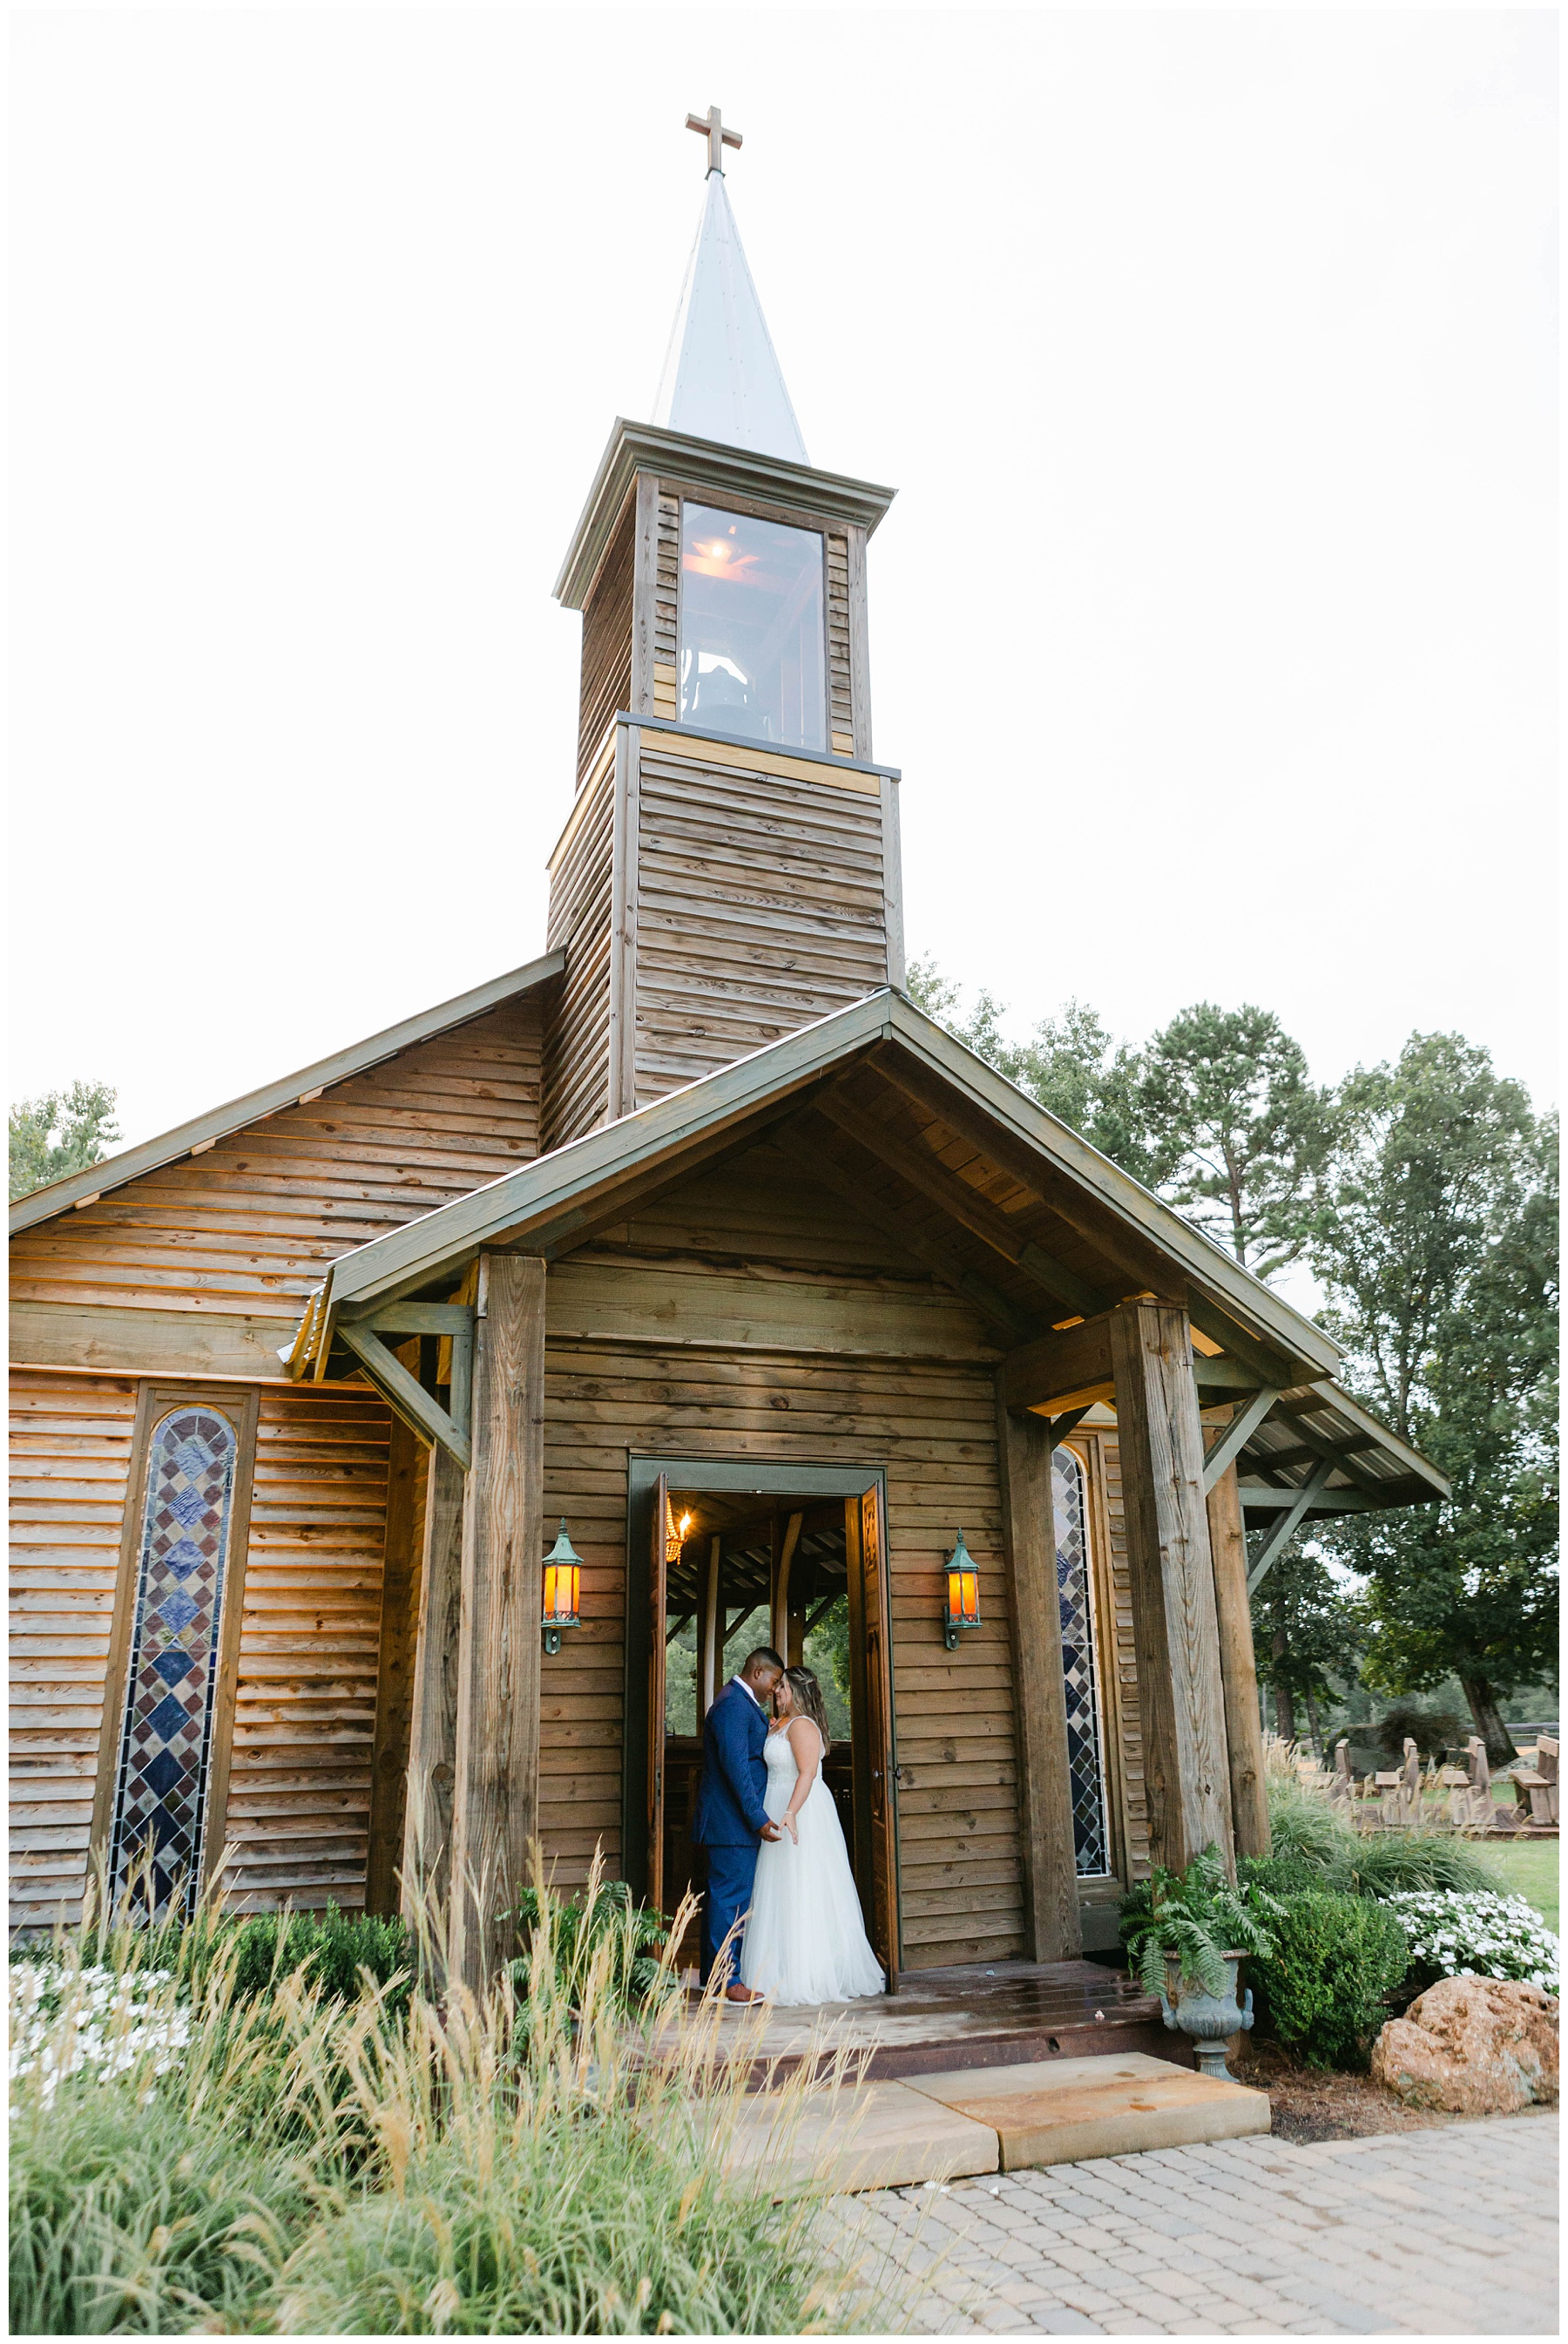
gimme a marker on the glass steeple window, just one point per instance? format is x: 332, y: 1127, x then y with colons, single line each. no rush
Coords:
x: 753, y: 653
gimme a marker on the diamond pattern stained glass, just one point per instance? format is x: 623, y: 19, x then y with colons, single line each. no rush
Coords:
x: 160, y: 1792
x: 1090, y: 1834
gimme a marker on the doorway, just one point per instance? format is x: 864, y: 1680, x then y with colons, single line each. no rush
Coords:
x: 733, y: 1556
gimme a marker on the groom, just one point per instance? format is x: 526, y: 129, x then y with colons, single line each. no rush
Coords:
x: 731, y: 1822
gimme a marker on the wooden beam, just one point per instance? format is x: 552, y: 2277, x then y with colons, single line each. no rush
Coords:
x: 433, y: 1724
x: 1136, y: 1258
x: 495, y: 1812
x: 1263, y: 1363
x: 1068, y: 1422
x: 1284, y: 1530
x: 1068, y: 1369
x: 791, y: 1142
x: 405, y: 1393
x: 1052, y: 1929
x: 1268, y: 1496
x: 1180, y: 1687
x: 965, y: 1204
x: 395, y: 1672
x: 1234, y: 1437
x: 1243, y: 1723
x: 413, y: 1319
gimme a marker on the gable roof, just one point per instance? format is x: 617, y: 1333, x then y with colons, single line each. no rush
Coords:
x: 86, y: 1186
x: 543, y: 1205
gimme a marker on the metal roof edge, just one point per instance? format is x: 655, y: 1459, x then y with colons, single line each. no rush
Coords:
x: 114, y: 1171
x: 1363, y: 1417
x: 709, y: 463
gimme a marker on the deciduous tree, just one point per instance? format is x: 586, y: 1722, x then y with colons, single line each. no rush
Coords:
x: 60, y: 1133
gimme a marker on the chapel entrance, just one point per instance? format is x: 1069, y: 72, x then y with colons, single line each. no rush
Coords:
x: 800, y: 1568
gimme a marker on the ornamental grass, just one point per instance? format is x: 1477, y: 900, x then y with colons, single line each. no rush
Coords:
x: 186, y: 2155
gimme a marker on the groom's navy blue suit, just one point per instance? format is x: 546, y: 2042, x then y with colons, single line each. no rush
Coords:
x: 729, y: 1814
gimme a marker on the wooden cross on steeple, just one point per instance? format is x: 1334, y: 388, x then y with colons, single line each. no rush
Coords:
x: 710, y: 125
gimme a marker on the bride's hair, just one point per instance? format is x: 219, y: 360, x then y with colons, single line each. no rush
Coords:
x: 807, y: 1695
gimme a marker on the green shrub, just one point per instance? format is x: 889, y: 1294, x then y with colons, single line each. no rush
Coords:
x: 1335, y: 1959
x: 331, y: 1947
x: 567, y: 1932
x: 1279, y: 1876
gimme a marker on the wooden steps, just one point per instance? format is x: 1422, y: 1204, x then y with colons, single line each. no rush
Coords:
x: 1001, y: 2014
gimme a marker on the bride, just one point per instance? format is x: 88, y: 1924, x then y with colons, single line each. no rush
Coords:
x: 804, y: 1940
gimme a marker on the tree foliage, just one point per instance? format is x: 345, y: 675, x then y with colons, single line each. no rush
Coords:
x: 1307, y: 1629
x: 60, y: 1133
x: 1437, y: 1245
x: 1237, y: 1131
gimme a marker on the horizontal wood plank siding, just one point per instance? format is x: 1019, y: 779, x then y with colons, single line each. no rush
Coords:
x: 760, y: 907
x: 577, y: 1050
x: 247, y: 1230
x: 852, y: 1385
x: 71, y: 1440
x: 605, y: 674
x: 305, y: 1706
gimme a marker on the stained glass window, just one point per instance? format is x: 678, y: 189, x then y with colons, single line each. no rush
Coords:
x: 166, y: 1745
x: 1085, y: 1758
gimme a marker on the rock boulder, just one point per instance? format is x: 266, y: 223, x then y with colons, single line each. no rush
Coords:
x: 1472, y: 2046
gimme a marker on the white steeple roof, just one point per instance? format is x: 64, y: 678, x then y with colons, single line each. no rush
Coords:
x: 722, y: 380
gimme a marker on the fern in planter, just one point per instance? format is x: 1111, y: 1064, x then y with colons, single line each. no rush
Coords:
x: 1196, y: 1917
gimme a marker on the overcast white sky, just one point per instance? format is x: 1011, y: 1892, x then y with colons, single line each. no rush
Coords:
x: 1212, y: 355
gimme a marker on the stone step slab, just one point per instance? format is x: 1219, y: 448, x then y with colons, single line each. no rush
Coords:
x: 876, y: 2136
x: 1054, y: 2112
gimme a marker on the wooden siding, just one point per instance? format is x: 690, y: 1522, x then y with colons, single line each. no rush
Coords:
x: 71, y: 1442
x: 1118, y: 1656
x: 605, y: 683
x: 868, y: 1378
x: 244, y: 1231
x: 577, y: 1048
x: 759, y: 906
x: 305, y: 1705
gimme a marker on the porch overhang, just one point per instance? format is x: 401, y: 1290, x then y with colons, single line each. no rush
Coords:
x: 1127, y: 1240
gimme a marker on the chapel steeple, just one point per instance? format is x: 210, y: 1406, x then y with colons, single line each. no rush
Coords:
x: 721, y: 378
x: 729, y: 872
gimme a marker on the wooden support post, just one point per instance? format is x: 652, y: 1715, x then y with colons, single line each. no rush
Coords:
x: 400, y: 1566
x: 1243, y: 1733
x: 1174, y: 1623
x: 495, y: 1811
x: 1051, y: 1926
x: 433, y: 1726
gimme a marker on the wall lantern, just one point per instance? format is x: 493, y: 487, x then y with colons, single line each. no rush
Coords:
x: 563, y: 1586
x: 963, y: 1595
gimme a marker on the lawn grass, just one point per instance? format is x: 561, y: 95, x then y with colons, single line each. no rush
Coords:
x: 1531, y: 1869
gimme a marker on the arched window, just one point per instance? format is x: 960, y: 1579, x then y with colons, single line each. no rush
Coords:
x: 166, y: 1740
x: 1086, y: 1765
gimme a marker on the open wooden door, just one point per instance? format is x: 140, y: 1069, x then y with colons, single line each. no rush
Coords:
x: 871, y: 1679
x: 657, y: 1583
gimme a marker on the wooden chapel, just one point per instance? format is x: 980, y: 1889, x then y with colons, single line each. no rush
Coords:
x: 694, y: 1238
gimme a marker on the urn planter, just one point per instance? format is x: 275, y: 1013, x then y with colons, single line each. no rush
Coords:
x: 1209, y: 2019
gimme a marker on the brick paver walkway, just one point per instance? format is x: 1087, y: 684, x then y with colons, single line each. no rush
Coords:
x: 1445, y: 2232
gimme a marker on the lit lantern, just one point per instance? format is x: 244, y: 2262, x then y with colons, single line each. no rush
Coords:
x: 963, y: 1595
x: 563, y: 1586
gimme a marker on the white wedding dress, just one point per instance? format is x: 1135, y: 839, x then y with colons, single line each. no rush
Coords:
x: 804, y: 1939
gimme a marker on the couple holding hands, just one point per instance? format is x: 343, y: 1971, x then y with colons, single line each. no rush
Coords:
x: 780, y: 1906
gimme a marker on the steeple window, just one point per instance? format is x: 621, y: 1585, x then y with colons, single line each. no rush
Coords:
x: 752, y: 628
